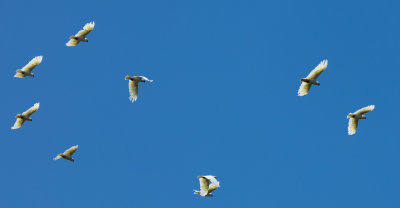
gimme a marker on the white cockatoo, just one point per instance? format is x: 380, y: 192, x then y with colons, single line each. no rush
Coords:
x: 27, y: 69
x: 81, y: 35
x: 134, y: 85
x: 67, y: 154
x: 311, y: 79
x: 205, y: 187
x: 25, y: 116
x: 354, y: 117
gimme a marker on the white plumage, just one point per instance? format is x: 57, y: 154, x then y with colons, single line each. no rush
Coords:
x: 354, y: 117
x: 134, y: 86
x: 205, y: 187
x: 81, y: 35
x: 27, y: 69
x: 25, y: 116
x: 67, y: 154
x: 311, y: 79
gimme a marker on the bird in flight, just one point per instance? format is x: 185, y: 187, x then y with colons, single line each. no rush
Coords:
x: 205, y: 187
x: 25, y: 116
x: 354, y: 117
x: 134, y: 85
x: 27, y: 69
x: 311, y: 79
x: 67, y: 154
x: 81, y: 35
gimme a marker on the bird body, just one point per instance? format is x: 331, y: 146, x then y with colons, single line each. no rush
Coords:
x: 205, y: 187
x: 81, y: 35
x: 25, y: 116
x: 134, y: 86
x: 311, y: 79
x: 67, y: 154
x: 27, y: 69
x: 354, y: 117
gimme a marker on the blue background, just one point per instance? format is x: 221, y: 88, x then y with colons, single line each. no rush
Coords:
x: 224, y: 102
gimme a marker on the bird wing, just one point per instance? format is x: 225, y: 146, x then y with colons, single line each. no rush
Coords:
x: 69, y: 152
x: 213, y: 180
x: 212, y: 188
x: 352, y: 128
x: 304, y: 88
x: 365, y: 110
x: 18, y: 123
x: 86, y: 30
x: 146, y: 79
x: 31, y: 110
x: 204, y: 183
x: 133, y: 90
x: 318, y: 70
x: 58, y: 157
x: 72, y: 42
x: 32, y: 64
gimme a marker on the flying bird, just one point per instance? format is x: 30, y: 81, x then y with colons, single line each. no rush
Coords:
x: 25, y: 116
x: 67, y: 154
x: 311, y: 79
x: 81, y: 35
x: 354, y: 117
x: 134, y: 85
x: 205, y: 187
x: 27, y: 69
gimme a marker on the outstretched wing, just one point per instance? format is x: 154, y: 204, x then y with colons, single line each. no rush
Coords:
x: 18, y: 123
x: 204, y: 183
x: 69, y: 152
x: 318, y: 70
x: 32, y: 64
x: 365, y: 110
x: 352, y: 128
x: 57, y: 157
x: 133, y: 90
x: 72, y: 42
x: 86, y: 30
x: 31, y: 110
x: 304, y: 88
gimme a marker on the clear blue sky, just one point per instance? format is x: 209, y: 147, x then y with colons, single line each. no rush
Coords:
x: 224, y: 102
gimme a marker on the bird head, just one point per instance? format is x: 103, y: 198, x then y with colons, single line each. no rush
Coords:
x: 350, y: 115
x: 19, y: 116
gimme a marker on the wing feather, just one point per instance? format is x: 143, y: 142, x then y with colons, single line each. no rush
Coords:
x: 213, y: 179
x: 31, y: 110
x: 32, y: 64
x: 204, y: 183
x: 365, y: 110
x: 18, y: 123
x: 133, y: 90
x: 72, y: 42
x: 352, y: 128
x: 86, y: 30
x: 304, y: 88
x: 69, y: 152
x: 318, y: 70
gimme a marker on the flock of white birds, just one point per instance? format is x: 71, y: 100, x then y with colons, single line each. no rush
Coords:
x: 208, y: 183
x: 311, y: 79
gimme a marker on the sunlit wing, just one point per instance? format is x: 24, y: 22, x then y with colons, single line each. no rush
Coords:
x: 133, y: 90
x: 31, y: 110
x: 86, y: 30
x: 365, y: 110
x: 18, y: 123
x: 70, y: 151
x: 318, y: 70
x: 352, y: 128
x: 304, y: 88
x: 32, y: 64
